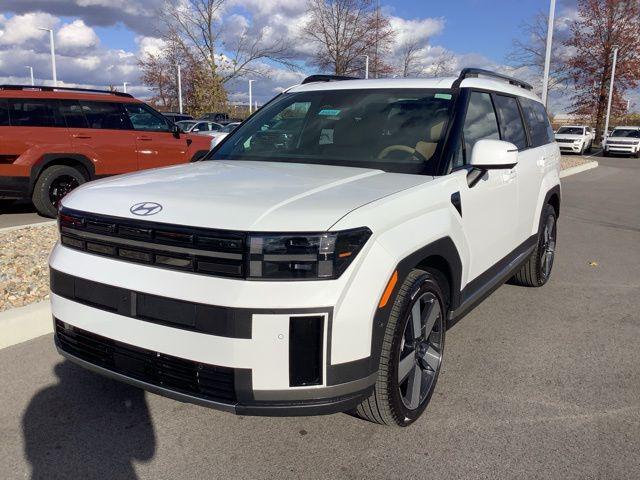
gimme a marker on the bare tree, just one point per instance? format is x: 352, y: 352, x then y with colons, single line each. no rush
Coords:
x: 529, y: 52
x: 344, y: 32
x: 409, y: 54
x: 443, y: 65
x: 197, y: 27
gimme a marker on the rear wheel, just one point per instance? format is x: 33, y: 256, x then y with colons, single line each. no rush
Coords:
x: 411, y: 355
x: 537, y: 269
x: 52, y: 186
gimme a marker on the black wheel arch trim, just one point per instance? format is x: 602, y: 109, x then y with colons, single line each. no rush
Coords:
x: 49, y: 159
x: 555, y: 190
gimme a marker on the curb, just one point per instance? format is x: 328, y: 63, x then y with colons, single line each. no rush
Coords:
x: 578, y: 169
x: 25, y: 323
x: 18, y: 227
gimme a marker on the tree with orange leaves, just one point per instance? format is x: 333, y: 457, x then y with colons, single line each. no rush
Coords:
x: 600, y: 27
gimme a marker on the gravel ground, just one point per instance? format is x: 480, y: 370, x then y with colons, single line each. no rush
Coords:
x: 24, y: 276
x: 569, y: 161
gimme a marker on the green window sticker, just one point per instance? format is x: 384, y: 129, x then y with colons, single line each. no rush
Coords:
x: 329, y: 113
x: 443, y: 96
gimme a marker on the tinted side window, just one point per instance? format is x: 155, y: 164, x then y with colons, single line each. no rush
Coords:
x: 105, y: 115
x: 511, y: 121
x: 34, y: 112
x: 72, y: 114
x: 479, y: 123
x: 535, y: 114
x: 4, y: 113
x: 143, y: 118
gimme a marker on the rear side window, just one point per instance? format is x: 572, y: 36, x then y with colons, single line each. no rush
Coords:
x: 4, y: 113
x: 480, y: 122
x: 72, y: 113
x: 143, y: 118
x: 33, y: 112
x: 511, y: 121
x: 105, y: 115
x: 535, y: 114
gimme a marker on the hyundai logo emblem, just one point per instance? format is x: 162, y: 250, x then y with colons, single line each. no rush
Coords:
x: 144, y: 209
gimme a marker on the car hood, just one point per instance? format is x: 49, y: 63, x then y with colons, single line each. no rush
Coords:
x: 243, y: 195
x: 567, y: 136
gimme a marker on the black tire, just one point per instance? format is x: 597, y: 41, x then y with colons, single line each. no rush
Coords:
x: 535, y: 272
x: 590, y: 147
x: 386, y: 405
x: 52, y: 185
x: 605, y: 153
x: 637, y: 155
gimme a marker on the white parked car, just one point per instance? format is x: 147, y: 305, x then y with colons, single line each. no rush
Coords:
x: 623, y: 140
x: 218, y: 136
x: 575, y: 139
x: 313, y: 262
x: 202, y: 127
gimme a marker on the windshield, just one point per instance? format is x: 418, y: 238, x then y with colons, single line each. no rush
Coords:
x: 393, y: 130
x: 626, y: 133
x: 186, y: 125
x: 570, y: 131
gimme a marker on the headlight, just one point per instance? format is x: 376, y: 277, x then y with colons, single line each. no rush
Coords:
x: 320, y: 256
x: 577, y: 141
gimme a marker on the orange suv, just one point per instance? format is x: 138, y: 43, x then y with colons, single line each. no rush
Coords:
x: 53, y: 139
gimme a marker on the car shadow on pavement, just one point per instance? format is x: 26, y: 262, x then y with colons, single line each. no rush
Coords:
x: 87, y: 426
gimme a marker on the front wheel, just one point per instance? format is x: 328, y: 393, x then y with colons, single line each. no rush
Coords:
x: 51, y: 187
x: 537, y: 269
x: 411, y: 355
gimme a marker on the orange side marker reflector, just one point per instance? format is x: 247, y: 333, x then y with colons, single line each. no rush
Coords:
x: 387, y: 291
x: 344, y: 254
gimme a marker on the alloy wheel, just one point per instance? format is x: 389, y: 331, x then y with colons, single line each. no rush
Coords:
x: 60, y: 187
x: 420, y: 354
x: 548, y: 246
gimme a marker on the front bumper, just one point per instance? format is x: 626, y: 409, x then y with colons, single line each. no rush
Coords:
x: 209, y: 322
x: 570, y: 147
x: 622, y: 149
x: 326, y: 401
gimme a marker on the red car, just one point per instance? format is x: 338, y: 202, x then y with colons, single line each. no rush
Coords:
x: 55, y: 139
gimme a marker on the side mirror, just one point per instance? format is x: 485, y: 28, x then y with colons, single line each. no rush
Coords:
x: 494, y: 155
x: 175, y: 129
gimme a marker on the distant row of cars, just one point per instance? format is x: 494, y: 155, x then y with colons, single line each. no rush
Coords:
x: 579, y: 139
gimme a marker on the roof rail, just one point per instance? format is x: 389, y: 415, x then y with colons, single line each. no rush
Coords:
x: 63, y: 89
x: 327, y: 78
x: 477, y: 72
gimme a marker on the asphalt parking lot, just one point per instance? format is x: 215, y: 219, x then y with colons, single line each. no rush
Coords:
x: 536, y: 383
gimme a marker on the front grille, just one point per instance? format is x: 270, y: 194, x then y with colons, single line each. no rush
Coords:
x: 564, y: 140
x: 622, y: 144
x: 200, y: 380
x: 205, y: 251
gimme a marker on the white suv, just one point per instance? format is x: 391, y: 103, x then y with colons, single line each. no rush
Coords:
x: 575, y: 139
x: 623, y: 140
x: 313, y: 261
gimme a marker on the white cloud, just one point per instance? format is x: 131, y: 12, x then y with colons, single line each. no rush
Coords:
x: 421, y: 29
x: 20, y: 29
x: 76, y: 37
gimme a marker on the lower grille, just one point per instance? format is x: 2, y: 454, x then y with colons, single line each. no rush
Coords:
x: 208, y: 382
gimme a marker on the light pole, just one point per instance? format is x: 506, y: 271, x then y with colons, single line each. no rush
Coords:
x: 547, y: 57
x: 613, y: 76
x: 31, y: 74
x: 250, y: 95
x: 366, y: 66
x: 124, y: 86
x: 53, y: 55
x: 179, y: 89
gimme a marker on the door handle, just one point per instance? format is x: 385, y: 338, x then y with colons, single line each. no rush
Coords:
x: 81, y: 135
x: 147, y: 139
